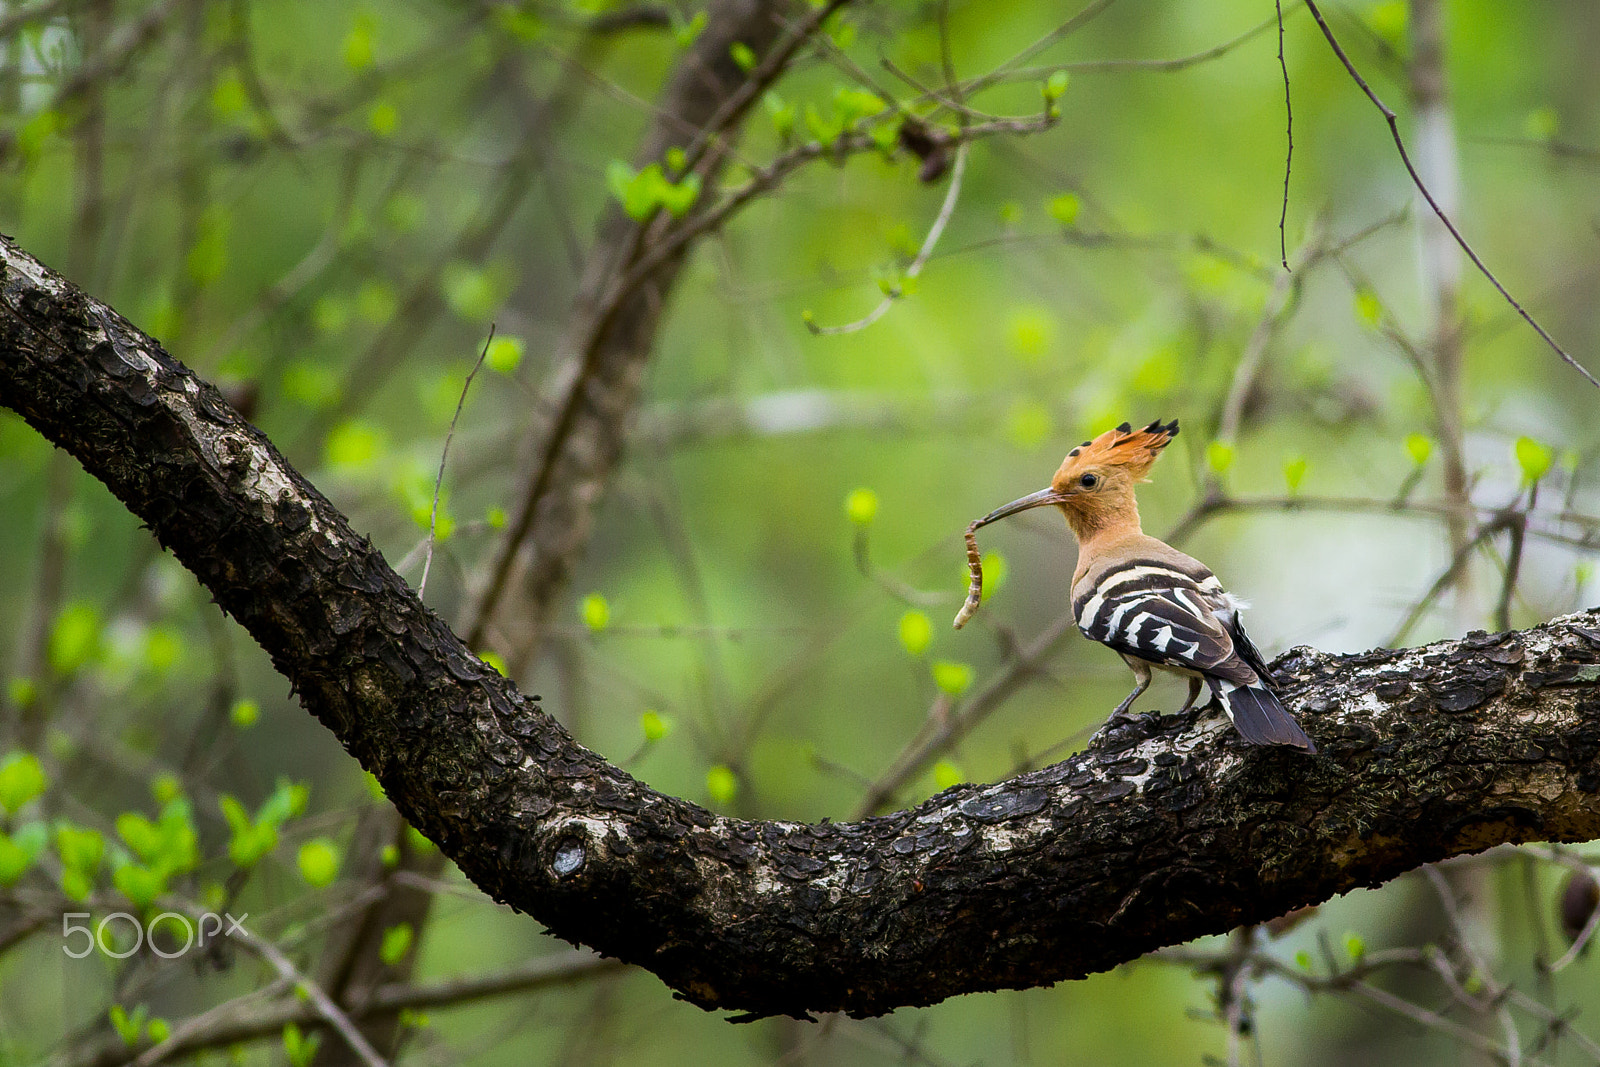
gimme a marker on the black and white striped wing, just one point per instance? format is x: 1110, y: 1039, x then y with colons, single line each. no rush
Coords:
x: 1159, y: 614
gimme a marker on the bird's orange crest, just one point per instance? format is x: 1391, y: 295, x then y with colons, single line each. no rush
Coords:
x: 1132, y: 450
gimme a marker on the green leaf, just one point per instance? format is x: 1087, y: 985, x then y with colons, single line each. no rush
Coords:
x: 1419, y: 447
x: 128, y: 1027
x: 654, y: 726
x: 19, y: 850
x: 504, y: 354
x: 826, y: 130
x: 916, y: 632
x: 138, y: 883
x: 355, y: 445
x: 1534, y: 457
x: 288, y: 801
x: 22, y: 778
x: 951, y: 677
x: 471, y: 292
x: 994, y: 572
x: 22, y: 692
x: 743, y: 55
x: 228, y: 96
x: 1354, y: 946
x: 396, y: 943
x: 947, y: 774
x: 312, y: 384
x: 1294, y: 472
x: 1064, y: 208
x: 319, y: 862
x: 80, y: 849
x: 251, y: 845
x: 595, y: 611
x: 159, y: 1030
x: 1369, y: 309
x: 383, y: 118
x: 300, y: 1048
x: 1388, y: 20
x: 1055, y: 86
x: 636, y: 191
x: 376, y: 302
x: 861, y: 505
x: 1302, y: 960
x: 1541, y: 124
x: 782, y: 115
x: 853, y: 105
x: 686, y: 32
x: 76, y: 885
x: 358, y: 43
x: 679, y: 198
x: 75, y: 638
x: 1219, y: 456
x: 722, y: 785
x: 244, y: 713
x: 140, y: 834
x: 494, y: 660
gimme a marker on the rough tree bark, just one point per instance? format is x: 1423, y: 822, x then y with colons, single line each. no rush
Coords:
x: 1168, y: 830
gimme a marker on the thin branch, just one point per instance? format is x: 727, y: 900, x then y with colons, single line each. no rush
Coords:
x: 1288, y: 156
x: 444, y: 457
x: 1416, y: 179
x: 934, y: 232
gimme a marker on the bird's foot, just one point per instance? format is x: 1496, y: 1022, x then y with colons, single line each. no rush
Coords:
x: 1129, y: 727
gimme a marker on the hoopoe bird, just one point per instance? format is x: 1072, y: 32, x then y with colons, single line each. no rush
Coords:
x: 1149, y: 602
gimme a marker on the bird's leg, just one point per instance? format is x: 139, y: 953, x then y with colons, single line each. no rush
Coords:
x: 1141, y: 671
x: 1194, y: 691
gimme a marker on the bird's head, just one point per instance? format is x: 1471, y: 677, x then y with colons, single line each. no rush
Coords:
x: 1094, y: 485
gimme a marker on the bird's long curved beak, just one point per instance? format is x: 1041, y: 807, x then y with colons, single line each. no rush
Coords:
x: 1032, y: 500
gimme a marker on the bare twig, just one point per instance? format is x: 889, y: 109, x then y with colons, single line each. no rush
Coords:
x: 1394, y: 130
x: 444, y: 457
x: 934, y: 232
x: 1288, y: 156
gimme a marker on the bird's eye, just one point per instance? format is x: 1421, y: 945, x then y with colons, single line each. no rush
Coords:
x: 1089, y: 481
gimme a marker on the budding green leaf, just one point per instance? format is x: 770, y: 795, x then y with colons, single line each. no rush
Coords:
x: 319, y: 862
x: 21, y: 779
x: 994, y: 572
x: 1219, y: 456
x: 244, y: 713
x: 654, y: 725
x: 916, y: 632
x: 504, y: 354
x: 1355, y: 946
x: 1535, y: 459
x: 396, y: 943
x: 1064, y: 208
x: 596, y: 612
x: 1419, y: 447
x: 1294, y: 472
x: 951, y: 677
x: 947, y: 774
x: 721, y: 784
x: 1369, y: 309
x: 861, y: 506
x: 1055, y: 85
x: 743, y: 55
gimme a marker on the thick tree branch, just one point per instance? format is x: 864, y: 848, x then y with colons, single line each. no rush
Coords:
x: 1168, y: 830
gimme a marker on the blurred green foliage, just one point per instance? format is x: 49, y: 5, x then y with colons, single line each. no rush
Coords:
x: 324, y: 206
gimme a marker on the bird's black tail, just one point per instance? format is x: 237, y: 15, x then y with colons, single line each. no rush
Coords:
x: 1260, y: 716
